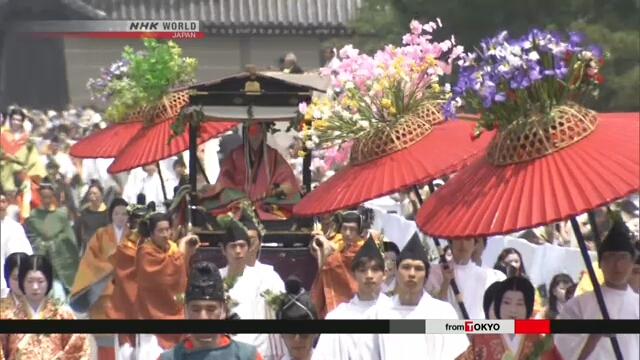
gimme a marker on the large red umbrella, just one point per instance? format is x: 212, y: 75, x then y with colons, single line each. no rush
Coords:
x: 151, y: 144
x: 589, y: 163
x: 105, y: 143
x: 424, y: 151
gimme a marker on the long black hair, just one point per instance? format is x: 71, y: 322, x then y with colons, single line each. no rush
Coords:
x: 13, y: 262
x: 552, y: 308
x: 504, y: 268
x: 36, y: 263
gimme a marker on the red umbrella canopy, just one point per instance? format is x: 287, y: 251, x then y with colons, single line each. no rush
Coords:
x: 423, y: 153
x: 585, y: 164
x: 151, y: 144
x: 105, y: 143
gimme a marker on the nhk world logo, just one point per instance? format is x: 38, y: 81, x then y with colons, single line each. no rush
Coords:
x: 479, y: 326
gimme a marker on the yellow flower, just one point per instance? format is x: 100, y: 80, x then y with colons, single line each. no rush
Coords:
x: 386, y: 103
x: 430, y: 60
x: 307, y: 116
x: 392, y: 110
x: 320, y: 124
x: 435, y: 87
x: 301, y: 153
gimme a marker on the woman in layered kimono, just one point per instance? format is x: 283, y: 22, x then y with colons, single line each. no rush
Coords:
x: 35, y: 278
x: 161, y: 276
x: 513, y: 299
x: 11, y: 268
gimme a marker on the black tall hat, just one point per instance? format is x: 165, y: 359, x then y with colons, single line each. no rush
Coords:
x: 414, y: 251
x: 234, y: 229
x: 349, y: 217
x: 390, y: 246
x: 46, y: 184
x: 140, y: 209
x: 204, y: 283
x: 617, y: 240
x: 369, y: 250
x: 297, y: 304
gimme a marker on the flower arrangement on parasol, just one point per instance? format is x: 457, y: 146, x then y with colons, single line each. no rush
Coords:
x: 142, y: 80
x: 545, y: 145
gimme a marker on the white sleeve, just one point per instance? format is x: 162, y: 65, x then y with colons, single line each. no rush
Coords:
x: 129, y: 192
x: 570, y: 345
x: 453, y: 344
x: 368, y: 345
x: 18, y: 241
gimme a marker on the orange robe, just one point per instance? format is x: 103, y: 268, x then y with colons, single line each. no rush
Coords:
x: 93, y: 284
x: 120, y: 304
x: 334, y: 284
x: 161, y: 278
x: 494, y: 347
x: 267, y: 170
x: 45, y: 346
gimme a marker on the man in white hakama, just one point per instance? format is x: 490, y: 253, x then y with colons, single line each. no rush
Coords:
x: 615, y: 258
x: 472, y: 279
x: 368, y: 268
x: 248, y: 288
x: 412, y: 302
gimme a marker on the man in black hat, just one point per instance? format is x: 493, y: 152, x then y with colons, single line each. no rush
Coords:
x: 297, y: 305
x: 368, y: 269
x: 63, y: 192
x: 205, y: 299
x: 413, y: 302
x: 246, y: 281
x: 616, y: 257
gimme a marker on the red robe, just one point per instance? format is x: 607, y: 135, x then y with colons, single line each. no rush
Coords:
x: 494, y: 347
x: 233, y: 184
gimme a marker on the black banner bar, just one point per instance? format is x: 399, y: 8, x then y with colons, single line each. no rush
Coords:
x: 594, y: 326
x: 195, y: 327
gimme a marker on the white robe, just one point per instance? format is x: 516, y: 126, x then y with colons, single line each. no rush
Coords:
x: 412, y: 346
x: 472, y: 281
x: 271, y: 346
x: 12, y: 240
x: 622, y: 304
x: 345, y: 346
x: 391, y: 287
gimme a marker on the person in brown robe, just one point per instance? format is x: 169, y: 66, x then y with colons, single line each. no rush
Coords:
x: 161, y: 273
x: 334, y: 283
x: 120, y: 303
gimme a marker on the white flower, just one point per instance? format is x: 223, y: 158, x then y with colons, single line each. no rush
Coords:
x: 349, y: 85
x: 309, y: 144
x: 315, y: 139
x: 447, y: 88
x: 364, y: 124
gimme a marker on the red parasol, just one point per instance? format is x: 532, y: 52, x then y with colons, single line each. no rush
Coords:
x: 151, y: 144
x: 417, y: 155
x: 589, y: 163
x: 105, y: 143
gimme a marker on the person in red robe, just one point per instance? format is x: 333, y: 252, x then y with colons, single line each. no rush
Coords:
x: 256, y: 171
x: 334, y: 283
x: 513, y: 299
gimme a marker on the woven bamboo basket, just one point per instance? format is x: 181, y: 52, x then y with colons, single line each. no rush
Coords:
x: 540, y: 136
x: 168, y: 107
x: 388, y: 140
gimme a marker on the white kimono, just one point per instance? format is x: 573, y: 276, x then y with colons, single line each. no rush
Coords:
x: 12, y: 240
x: 472, y: 281
x: 271, y: 346
x: 412, y: 346
x: 345, y: 346
x: 622, y: 304
x: 247, y: 292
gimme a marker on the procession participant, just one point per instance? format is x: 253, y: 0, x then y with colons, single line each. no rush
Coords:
x: 54, y: 152
x: 411, y: 301
x: 256, y: 171
x: 12, y: 240
x: 20, y: 164
x: 297, y: 305
x: 93, y: 215
x: 334, y: 283
x: 270, y: 279
x: 244, y: 284
x: 120, y: 304
x: 368, y: 268
x: 391, y: 253
x: 472, y: 280
x: 146, y: 181
x: 63, y: 195
x: 616, y: 258
x: 205, y: 299
x: 11, y: 268
x: 634, y: 279
x: 50, y: 234
x: 161, y: 272
x: 93, y: 284
x: 488, y: 300
x: 513, y: 299
x: 36, y: 280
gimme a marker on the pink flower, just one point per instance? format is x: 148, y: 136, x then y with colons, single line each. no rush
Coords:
x: 302, y: 107
x: 416, y: 27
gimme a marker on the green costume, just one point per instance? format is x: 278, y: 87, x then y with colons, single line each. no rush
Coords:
x: 50, y: 234
x: 233, y: 350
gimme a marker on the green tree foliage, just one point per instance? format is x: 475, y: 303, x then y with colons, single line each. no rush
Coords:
x: 613, y: 24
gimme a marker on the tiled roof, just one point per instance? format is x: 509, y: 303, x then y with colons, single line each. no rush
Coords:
x: 295, y: 13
